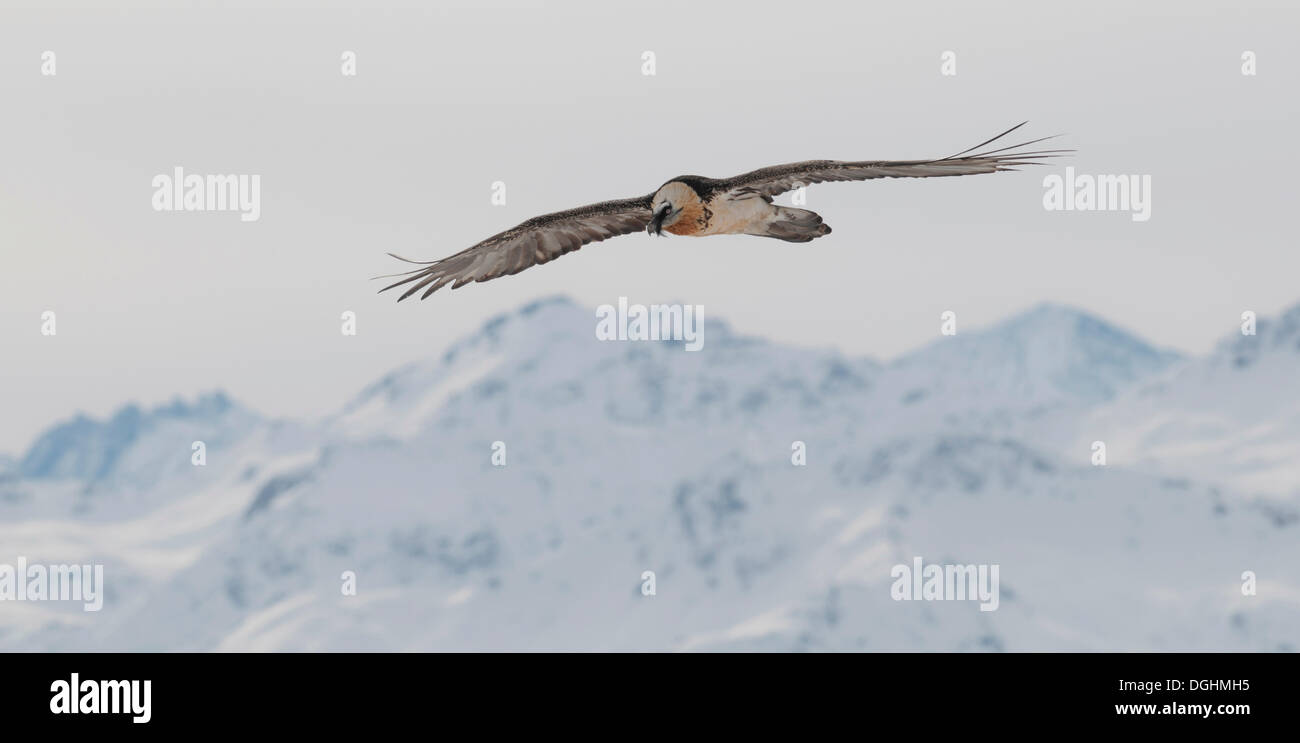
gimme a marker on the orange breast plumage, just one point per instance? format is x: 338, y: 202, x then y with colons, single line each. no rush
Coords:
x: 692, y: 221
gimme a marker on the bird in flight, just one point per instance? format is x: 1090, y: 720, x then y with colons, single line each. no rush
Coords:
x: 696, y: 206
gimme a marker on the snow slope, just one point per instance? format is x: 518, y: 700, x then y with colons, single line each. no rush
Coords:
x: 1231, y: 419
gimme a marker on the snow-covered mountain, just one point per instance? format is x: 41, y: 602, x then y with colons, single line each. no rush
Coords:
x: 1231, y: 419
x: 623, y: 458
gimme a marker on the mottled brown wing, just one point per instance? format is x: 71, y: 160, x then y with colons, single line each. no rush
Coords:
x: 776, y: 180
x: 539, y: 240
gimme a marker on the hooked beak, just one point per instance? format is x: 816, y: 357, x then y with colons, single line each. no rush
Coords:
x: 656, y: 224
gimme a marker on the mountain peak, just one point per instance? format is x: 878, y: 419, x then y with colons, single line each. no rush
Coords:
x: 1052, y: 317
x: 87, y: 448
x: 1050, y: 351
x: 1272, y: 334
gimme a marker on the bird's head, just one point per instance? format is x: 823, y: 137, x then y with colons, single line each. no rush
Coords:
x: 670, y: 201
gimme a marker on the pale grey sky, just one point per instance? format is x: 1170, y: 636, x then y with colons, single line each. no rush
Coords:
x: 550, y: 99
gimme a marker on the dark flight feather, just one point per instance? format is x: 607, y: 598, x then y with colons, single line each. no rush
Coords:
x: 534, y: 242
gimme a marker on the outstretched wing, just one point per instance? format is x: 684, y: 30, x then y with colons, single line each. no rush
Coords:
x: 769, y: 182
x: 539, y: 240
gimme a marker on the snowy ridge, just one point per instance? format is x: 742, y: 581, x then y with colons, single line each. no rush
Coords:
x: 1232, y: 419
x: 632, y: 457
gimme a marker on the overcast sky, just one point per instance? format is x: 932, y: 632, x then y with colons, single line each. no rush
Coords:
x: 550, y: 99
